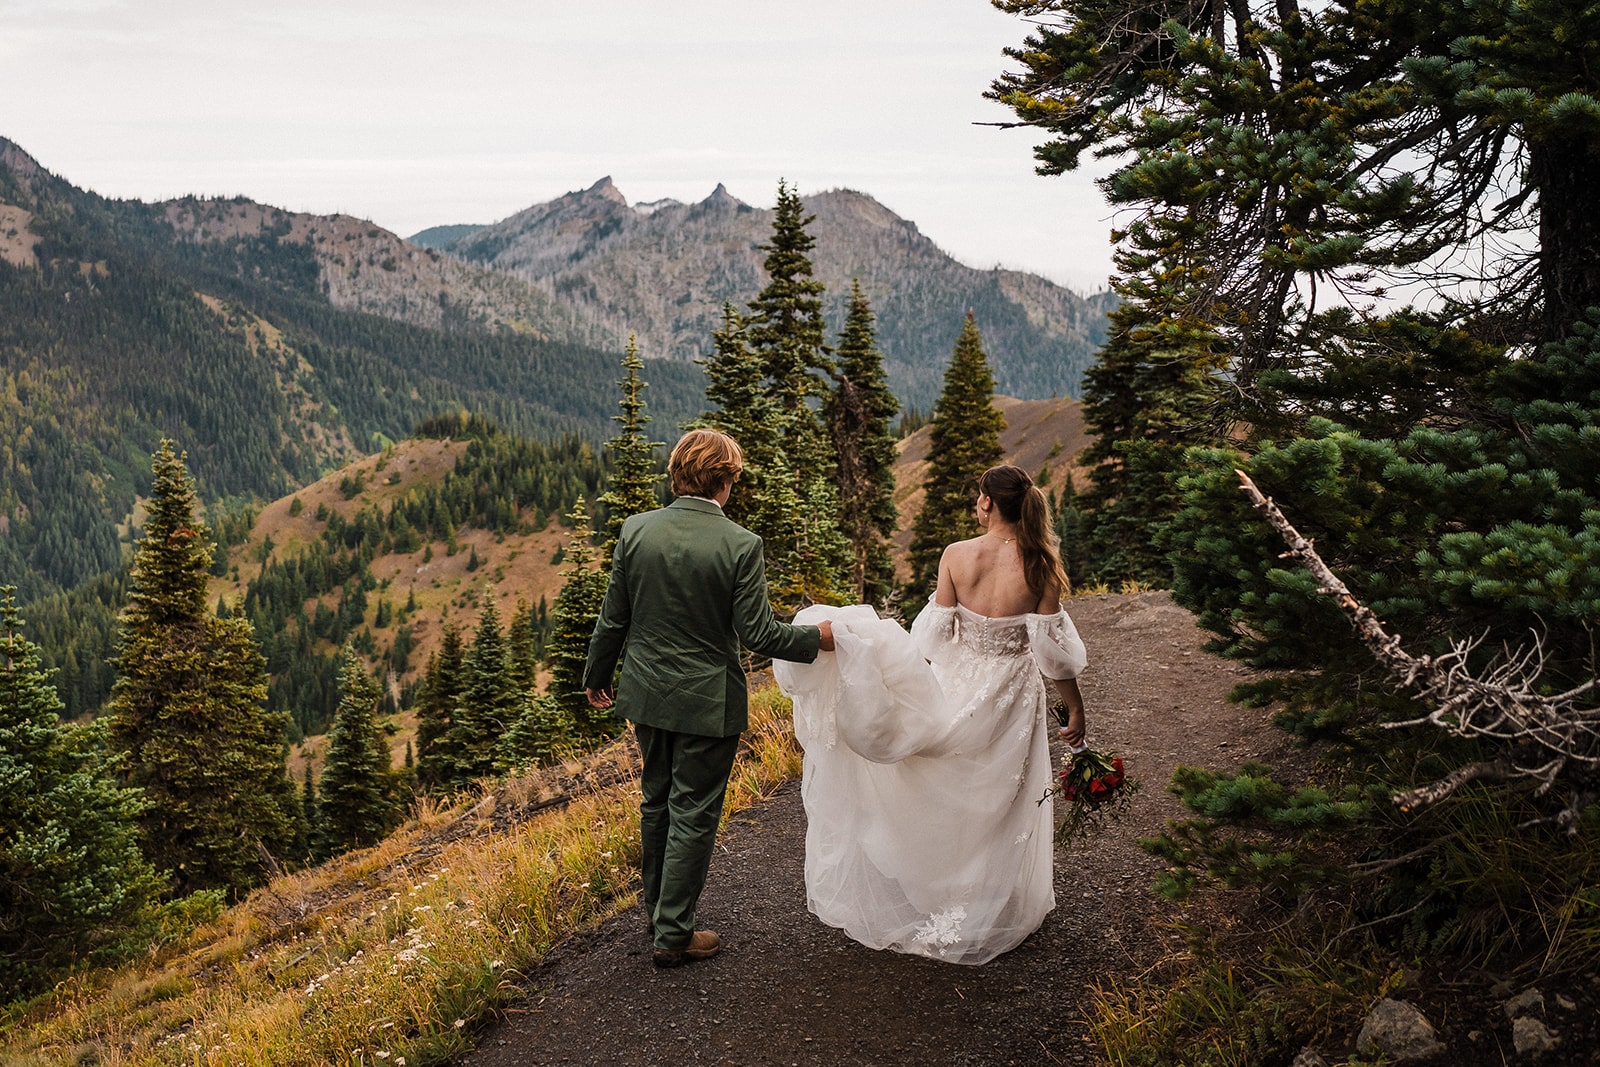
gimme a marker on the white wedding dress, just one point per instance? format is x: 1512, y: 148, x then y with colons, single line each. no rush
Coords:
x: 926, y: 755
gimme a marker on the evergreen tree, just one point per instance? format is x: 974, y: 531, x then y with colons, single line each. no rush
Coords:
x: 785, y: 332
x: 187, y: 707
x: 522, y: 640
x: 1442, y: 461
x: 437, y: 757
x: 1069, y: 531
x: 72, y: 880
x: 633, y: 479
x: 488, y: 703
x: 1152, y: 394
x: 576, y: 611
x: 765, y: 499
x: 314, y: 834
x: 964, y: 441
x: 358, y: 803
x: 859, y: 413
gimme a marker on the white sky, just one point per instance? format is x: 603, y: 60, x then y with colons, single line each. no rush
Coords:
x: 415, y: 114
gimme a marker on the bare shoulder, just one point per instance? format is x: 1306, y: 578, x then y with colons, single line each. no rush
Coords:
x: 962, y: 549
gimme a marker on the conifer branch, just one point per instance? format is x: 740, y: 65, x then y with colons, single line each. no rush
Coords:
x: 1545, y: 734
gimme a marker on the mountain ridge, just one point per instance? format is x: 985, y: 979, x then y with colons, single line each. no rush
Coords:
x: 662, y: 271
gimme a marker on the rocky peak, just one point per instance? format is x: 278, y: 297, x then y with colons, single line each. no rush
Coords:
x: 604, y: 189
x: 720, y: 197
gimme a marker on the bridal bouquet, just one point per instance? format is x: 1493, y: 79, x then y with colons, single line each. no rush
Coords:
x: 1095, y: 790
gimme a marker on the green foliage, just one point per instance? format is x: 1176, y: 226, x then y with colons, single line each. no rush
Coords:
x: 964, y: 442
x: 73, y: 884
x: 858, y: 414
x: 1278, y: 839
x: 187, y: 707
x: 1149, y: 397
x: 771, y: 361
x: 576, y: 611
x: 487, y: 703
x: 358, y: 788
x: 437, y: 758
x: 634, y: 478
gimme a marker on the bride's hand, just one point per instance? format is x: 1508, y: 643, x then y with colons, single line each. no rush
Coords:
x: 1074, y: 731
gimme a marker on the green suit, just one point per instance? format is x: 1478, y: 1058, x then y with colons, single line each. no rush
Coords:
x: 688, y: 585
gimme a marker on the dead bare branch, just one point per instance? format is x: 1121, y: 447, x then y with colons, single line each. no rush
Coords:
x: 1545, y: 734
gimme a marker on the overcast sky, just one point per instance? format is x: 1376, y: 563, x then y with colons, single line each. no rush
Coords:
x: 414, y: 114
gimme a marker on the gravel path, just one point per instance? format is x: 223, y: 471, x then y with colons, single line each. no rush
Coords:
x: 788, y: 990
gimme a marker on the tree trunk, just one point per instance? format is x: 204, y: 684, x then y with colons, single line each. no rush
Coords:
x: 1569, y: 230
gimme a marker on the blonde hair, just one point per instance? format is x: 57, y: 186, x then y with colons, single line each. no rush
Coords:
x: 702, y: 462
x: 1021, y: 502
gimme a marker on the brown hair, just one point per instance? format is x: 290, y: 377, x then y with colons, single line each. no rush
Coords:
x: 1021, y: 502
x: 702, y: 462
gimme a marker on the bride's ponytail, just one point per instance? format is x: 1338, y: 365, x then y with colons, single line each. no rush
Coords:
x: 1023, y: 503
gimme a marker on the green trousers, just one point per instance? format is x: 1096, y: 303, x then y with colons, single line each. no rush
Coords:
x: 684, y: 781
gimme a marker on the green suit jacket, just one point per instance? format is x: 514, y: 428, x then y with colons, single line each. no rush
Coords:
x: 688, y: 584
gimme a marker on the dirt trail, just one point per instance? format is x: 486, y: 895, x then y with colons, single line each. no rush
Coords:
x: 788, y: 990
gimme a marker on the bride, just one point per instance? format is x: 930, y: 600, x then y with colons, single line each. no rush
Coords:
x: 926, y: 754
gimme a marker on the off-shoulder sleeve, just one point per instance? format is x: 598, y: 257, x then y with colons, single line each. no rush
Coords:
x: 1057, y: 649
x: 935, y: 633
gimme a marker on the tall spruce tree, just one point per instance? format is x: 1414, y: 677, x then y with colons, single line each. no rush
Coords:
x: 859, y: 414
x: 786, y: 334
x: 437, y: 758
x: 522, y: 647
x: 633, y: 479
x: 1153, y: 393
x: 488, y: 702
x: 73, y: 882
x: 359, y: 806
x: 188, y: 709
x: 964, y: 441
x: 766, y: 500
x: 576, y: 612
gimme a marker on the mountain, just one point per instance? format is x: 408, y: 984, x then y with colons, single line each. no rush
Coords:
x: 271, y: 347
x: 663, y: 270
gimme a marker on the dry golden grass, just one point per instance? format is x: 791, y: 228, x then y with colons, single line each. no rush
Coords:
x: 393, y: 954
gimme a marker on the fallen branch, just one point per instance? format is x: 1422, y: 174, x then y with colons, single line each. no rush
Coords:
x: 1503, y: 704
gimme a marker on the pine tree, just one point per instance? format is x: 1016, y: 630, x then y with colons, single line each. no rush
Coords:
x: 633, y: 479
x: 1069, y: 530
x: 72, y: 879
x: 576, y: 611
x: 522, y: 641
x: 1152, y: 394
x: 187, y: 707
x: 764, y: 498
x: 358, y: 804
x: 488, y: 702
x: 437, y: 758
x: 859, y: 414
x: 964, y: 441
x: 785, y: 332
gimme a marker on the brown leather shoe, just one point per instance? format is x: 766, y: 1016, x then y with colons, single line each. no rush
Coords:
x: 702, y: 946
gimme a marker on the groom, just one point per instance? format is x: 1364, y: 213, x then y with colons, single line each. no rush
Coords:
x: 687, y: 586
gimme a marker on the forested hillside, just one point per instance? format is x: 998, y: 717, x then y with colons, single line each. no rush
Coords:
x: 663, y: 270
x: 117, y: 328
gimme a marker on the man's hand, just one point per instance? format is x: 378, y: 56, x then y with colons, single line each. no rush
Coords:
x: 825, y: 644
x: 600, y: 698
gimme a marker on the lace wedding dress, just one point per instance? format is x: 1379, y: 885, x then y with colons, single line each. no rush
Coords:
x: 926, y: 755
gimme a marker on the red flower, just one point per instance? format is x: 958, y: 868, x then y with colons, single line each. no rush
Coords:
x: 1097, y: 786
x: 1116, y: 765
